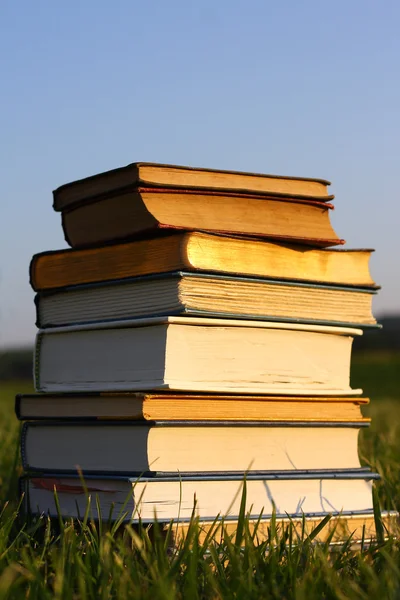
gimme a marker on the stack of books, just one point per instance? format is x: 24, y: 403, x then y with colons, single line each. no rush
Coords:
x: 198, y: 334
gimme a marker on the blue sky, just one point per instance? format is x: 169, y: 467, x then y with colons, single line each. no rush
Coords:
x: 304, y: 88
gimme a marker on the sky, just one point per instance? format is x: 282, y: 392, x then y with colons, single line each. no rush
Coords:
x: 303, y: 88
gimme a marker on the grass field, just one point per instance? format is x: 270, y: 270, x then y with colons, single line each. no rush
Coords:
x: 40, y: 559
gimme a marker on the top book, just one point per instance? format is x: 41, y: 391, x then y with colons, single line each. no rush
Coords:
x: 173, y: 176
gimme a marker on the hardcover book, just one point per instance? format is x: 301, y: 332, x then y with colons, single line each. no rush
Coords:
x: 192, y: 294
x: 204, y: 252
x: 188, y: 447
x: 165, y: 176
x: 148, y: 210
x: 196, y: 354
x: 314, y: 494
x: 169, y: 406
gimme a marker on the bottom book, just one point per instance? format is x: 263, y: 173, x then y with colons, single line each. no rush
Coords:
x: 165, y: 498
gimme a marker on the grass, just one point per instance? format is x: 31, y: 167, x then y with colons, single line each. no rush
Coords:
x: 71, y: 561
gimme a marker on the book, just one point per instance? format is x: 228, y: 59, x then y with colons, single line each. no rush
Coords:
x: 152, y: 210
x: 138, y: 447
x: 192, y: 294
x: 195, y: 354
x: 179, y: 497
x: 159, y: 175
x: 198, y: 251
x: 168, y: 406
